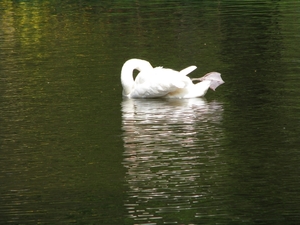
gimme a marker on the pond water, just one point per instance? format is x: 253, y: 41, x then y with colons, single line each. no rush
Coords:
x: 72, y: 150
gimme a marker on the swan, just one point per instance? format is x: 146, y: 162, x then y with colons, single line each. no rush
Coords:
x: 161, y: 82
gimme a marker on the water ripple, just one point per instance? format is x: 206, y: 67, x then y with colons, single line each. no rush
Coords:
x: 171, y: 147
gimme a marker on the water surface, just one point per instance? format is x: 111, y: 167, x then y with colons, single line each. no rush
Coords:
x: 73, y: 151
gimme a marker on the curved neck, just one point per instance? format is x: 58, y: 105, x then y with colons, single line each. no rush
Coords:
x: 127, y: 73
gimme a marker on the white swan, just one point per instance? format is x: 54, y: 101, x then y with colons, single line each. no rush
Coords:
x: 160, y: 82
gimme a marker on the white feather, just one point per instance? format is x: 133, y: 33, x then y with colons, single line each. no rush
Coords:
x: 161, y: 82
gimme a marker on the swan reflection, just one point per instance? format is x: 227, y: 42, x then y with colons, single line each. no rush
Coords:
x: 171, y: 150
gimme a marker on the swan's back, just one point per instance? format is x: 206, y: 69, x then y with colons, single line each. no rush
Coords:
x: 158, y: 82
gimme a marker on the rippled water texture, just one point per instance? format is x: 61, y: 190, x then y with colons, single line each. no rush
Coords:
x: 72, y: 151
x: 172, y: 151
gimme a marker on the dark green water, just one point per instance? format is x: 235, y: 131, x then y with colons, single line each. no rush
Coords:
x: 73, y: 151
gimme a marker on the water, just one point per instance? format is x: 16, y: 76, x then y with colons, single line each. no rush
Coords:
x: 165, y: 183
x: 73, y: 151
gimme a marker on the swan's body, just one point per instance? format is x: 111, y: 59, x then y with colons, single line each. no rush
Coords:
x: 160, y: 82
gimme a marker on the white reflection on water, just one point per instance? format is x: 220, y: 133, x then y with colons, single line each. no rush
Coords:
x: 171, y: 150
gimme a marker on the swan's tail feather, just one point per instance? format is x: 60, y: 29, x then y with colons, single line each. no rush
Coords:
x: 214, y: 78
x: 187, y: 70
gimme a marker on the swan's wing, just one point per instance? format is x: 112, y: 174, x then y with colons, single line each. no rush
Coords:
x: 214, y: 78
x: 158, y: 83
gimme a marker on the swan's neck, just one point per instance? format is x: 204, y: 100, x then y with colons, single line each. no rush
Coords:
x: 127, y: 73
